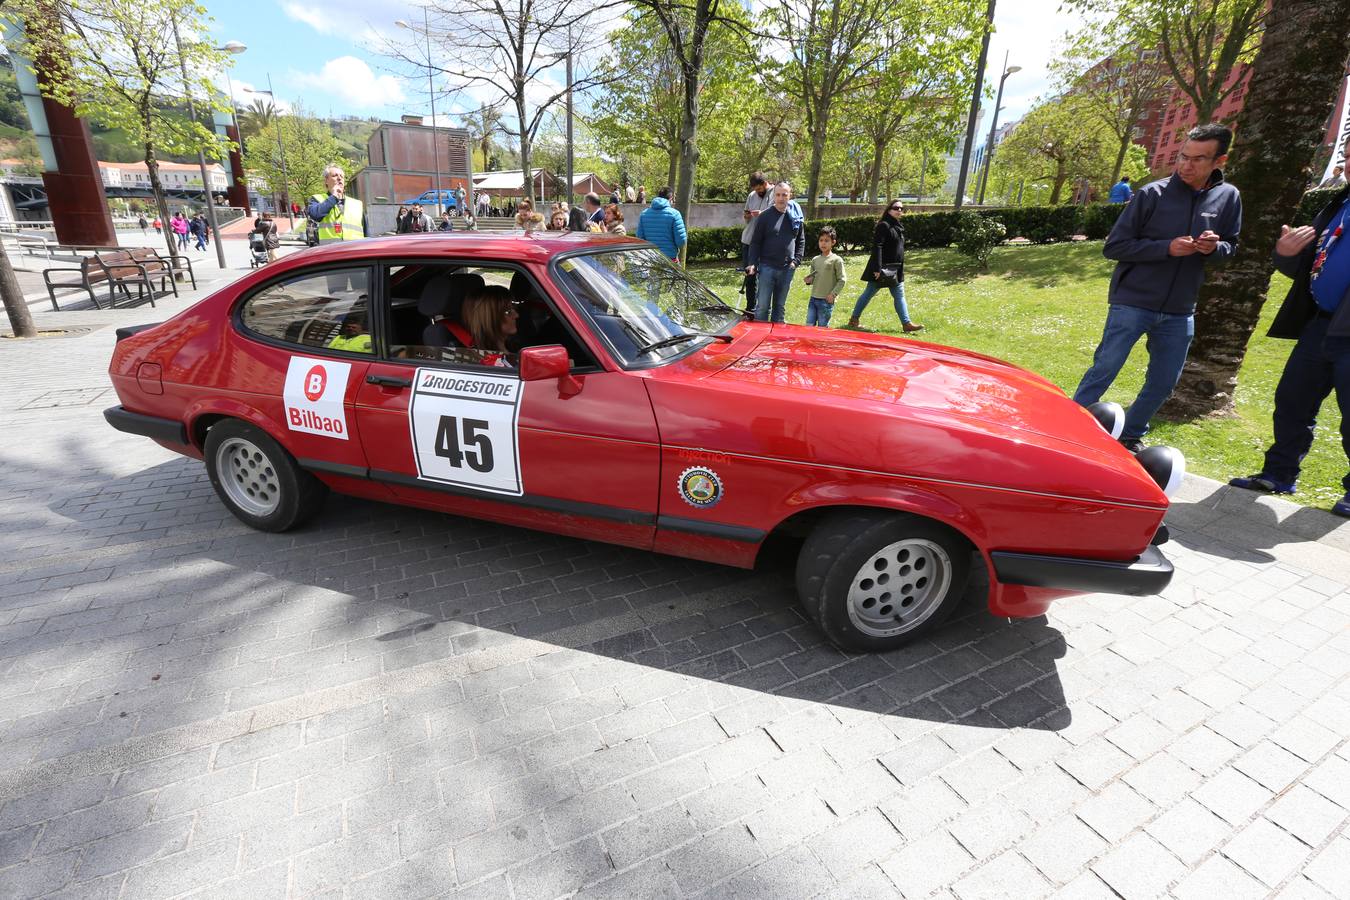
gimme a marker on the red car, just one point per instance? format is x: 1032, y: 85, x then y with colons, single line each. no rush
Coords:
x: 633, y: 406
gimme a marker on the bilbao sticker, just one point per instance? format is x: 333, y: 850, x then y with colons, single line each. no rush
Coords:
x: 314, y: 395
x: 700, y: 487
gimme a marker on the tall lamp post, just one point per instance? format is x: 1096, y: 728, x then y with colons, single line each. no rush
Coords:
x: 974, y: 108
x: 993, y: 126
x: 281, y: 150
x: 201, y: 157
x: 234, y: 47
x: 431, y: 94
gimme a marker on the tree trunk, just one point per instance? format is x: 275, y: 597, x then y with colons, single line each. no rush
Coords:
x: 526, y: 175
x: 20, y: 317
x: 1293, y: 84
x: 673, y: 165
x: 1120, y: 157
x: 818, y: 132
x: 1061, y: 176
x: 161, y: 204
x: 684, y: 190
x: 874, y: 177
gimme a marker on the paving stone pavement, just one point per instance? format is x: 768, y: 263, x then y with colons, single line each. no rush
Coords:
x: 395, y: 703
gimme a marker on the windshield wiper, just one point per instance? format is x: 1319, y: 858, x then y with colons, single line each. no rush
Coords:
x: 681, y: 338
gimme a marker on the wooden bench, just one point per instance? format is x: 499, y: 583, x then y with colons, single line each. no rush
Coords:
x: 120, y: 270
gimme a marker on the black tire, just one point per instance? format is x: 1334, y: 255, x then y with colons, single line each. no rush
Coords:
x: 831, y: 563
x: 257, y: 480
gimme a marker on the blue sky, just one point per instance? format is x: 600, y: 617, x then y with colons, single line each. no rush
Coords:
x: 321, y: 53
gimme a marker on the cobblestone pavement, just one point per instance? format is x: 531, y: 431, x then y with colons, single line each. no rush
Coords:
x: 393, y: 703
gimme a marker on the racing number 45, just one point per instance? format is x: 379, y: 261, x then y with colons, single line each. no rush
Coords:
x: 474, y: 440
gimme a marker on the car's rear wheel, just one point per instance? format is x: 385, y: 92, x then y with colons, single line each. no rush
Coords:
x: 875, y: 580
x: 257, y: 480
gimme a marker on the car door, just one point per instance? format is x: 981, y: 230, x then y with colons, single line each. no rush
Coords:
x: 477, y: 440
x: 308, y: 350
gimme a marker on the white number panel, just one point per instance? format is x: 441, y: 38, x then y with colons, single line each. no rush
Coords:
x: 464, y: 429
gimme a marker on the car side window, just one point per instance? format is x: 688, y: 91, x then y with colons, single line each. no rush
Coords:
x: 328, y: 310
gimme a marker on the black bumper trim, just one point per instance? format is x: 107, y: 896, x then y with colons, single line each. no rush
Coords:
x: 739, y: 533
x: 169, y: 430
x: 1149, y: 574
x: 127, y: 331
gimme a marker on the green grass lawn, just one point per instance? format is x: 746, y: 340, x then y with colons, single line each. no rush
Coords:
x: 1042, y: 307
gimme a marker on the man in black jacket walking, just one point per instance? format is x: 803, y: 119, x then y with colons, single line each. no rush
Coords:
x: 1162, y: 242
x: 1316, y: 313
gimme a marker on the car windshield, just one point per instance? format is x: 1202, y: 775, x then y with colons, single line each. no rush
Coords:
x: 646, y: 307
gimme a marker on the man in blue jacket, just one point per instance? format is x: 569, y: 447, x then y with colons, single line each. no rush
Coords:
x: 663, y: 225
x: 776, y: 250
x: 1162, y: 242
x: 1317, y: 314
x: 1120, y: 191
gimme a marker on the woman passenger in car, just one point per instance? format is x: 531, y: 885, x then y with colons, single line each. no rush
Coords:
x: 489, y: 320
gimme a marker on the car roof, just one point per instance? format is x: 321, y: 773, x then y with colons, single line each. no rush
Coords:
x: 537, y: 247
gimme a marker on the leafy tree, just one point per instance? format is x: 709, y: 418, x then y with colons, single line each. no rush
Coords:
x: 1293, y: 85
x: 1058, y: 142
x: 641, y: 108
x: 512, y: 48
x: 483, y: 123
x: 916, y: 88
x: 1118, y: 85
x: 1201, y: 42
x: 688, y: 25
x: 257, y: 117
x: 829, y: 47
x: 310, y: 146
x: 116, y: 63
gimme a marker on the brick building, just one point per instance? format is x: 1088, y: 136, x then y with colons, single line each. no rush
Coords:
x: 403, y: 161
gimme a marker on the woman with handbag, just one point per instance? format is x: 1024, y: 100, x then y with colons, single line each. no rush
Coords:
x: 886, y: 268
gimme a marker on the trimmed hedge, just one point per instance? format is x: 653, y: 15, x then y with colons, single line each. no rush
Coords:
x: 1038, y: 224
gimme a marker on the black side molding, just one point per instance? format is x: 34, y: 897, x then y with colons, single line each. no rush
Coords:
x: 1149, y: 574
x: 550, y: 504
x: 711, y: 529
x: 127, y: 331
x: 170, y: 430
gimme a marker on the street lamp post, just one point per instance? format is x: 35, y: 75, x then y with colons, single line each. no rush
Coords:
x: 235, y: 47
x: 201, y: 157
x: 281, y: 151
x: 431, y: 94
x: 974, y: 108
x: 993, y: 127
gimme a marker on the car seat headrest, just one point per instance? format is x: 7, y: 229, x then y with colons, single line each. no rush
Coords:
x: 444, y: 294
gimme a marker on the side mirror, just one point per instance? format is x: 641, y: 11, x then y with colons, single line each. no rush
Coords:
x: 545, y: 363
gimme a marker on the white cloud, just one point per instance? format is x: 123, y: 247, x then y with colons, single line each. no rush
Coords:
x: 352, y: 80
x: 1029, y: 32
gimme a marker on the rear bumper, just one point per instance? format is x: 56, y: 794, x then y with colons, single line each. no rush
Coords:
x: 169, y: 431
x: 1149, y: 574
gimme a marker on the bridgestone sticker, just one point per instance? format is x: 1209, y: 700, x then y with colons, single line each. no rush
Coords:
x: 464, y: 429
x: 314, y: 394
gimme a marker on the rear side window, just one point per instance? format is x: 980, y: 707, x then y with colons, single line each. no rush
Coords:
x: 329, y: 310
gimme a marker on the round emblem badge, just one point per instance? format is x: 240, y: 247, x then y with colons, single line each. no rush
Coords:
x: 700, y: 487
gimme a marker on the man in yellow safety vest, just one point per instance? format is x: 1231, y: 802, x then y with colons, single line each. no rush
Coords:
x: 339, y: 217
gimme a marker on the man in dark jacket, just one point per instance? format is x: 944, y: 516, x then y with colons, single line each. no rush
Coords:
x: 1162, y: 242
x: 776, y: 250
x: 1316, y: 312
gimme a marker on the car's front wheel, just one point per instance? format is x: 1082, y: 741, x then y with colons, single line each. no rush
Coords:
x: 874, y: 580
x: 257, y: 479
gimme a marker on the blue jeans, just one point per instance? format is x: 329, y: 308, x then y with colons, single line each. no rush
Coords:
x: 897, y: 294
x: 1169, y: 337
x: 772, y: 289
x: 1317, y: 365
x: 818, y: 312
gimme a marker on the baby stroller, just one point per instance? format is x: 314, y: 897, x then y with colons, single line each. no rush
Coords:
x: 257, y: 250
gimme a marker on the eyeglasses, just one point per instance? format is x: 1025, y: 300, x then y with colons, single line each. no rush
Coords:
x: 897, y: 209
x: 1182, y: 157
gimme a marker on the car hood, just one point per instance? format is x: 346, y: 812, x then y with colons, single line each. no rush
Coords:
x: 918, y: 377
